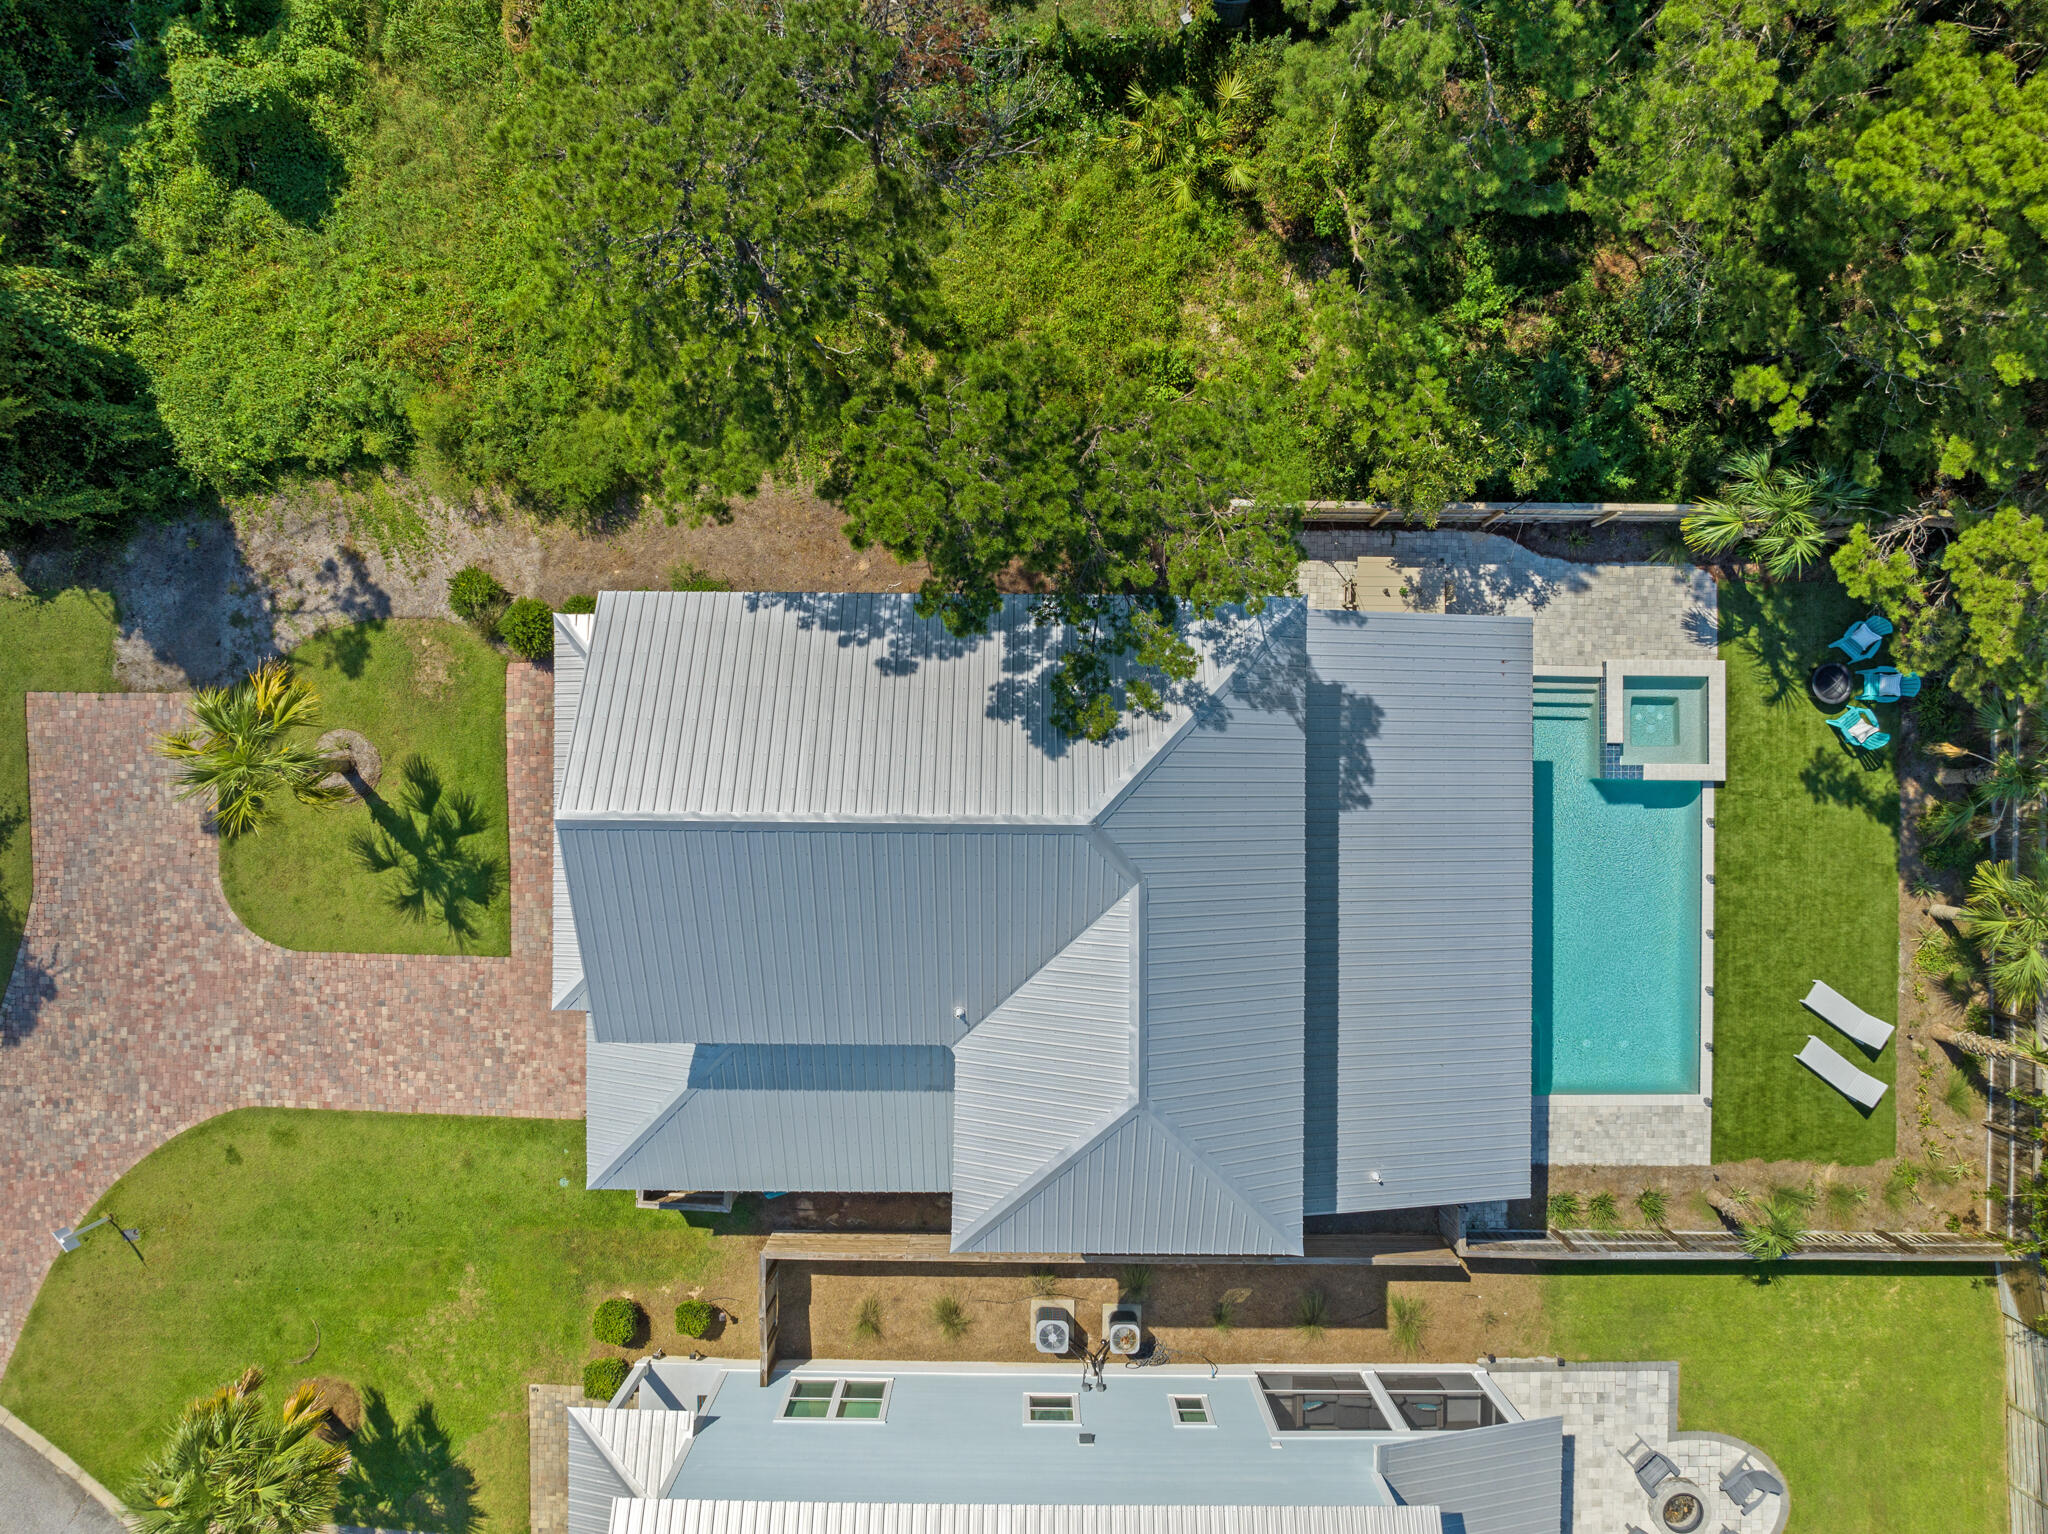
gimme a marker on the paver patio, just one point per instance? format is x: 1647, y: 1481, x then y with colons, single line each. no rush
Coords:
x: 140, y: 1005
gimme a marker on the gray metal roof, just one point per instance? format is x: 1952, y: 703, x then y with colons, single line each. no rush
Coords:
x: 675, y: 1517
x: 825, y: 823
x: 762, y: 706
x: 1419, y: 908
x: 824, y: 1119
x: 1048, y: 1069
x: 1506, y: 1479
x: 572, y: 646
x: 593, y: 1482
x: 821, y: 935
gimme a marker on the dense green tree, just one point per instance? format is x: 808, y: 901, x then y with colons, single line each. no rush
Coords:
x: 1975, y: 605
x: 1128, y: 510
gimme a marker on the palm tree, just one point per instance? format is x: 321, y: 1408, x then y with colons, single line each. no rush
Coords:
x: 243, y: 752
x: 227, y: 1468
x: 2007, y: 913
x: 1785, y: 513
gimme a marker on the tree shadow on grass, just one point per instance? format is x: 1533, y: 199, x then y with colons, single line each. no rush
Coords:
x: 1852, y: 780
x: 406, y: 1476
x: 425, y: 840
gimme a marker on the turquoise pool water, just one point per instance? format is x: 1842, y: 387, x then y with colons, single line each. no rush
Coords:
x: 1617, y: 914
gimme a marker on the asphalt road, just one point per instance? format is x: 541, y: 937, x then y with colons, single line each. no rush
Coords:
x: 35, y: 1498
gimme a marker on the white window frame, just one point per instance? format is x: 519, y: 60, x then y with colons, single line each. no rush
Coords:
x: 1072, y: 1400
x: 838, y: 1397
x: 1173, y: 1400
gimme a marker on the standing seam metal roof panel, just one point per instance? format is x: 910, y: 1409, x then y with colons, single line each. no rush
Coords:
x: 827, y: 1119
x: 762, y: 706
x: 572, y: 645
x: 1507, y: 1479
x: 1216, y: 831
x: 593, y: 1484
x: 831, y: 935
x: 690, y: 1517
x: 1420, y: 895
x: 1050, y: 1067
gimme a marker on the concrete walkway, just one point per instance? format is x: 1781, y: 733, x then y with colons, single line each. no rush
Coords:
x: 140, y: 1006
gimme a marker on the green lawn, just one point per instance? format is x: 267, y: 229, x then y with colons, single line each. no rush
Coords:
x: 1806, y: 887
x: 1879, y: 1393
x: 442, y: 1259
x: 62, y: 643
x: 430, y: 696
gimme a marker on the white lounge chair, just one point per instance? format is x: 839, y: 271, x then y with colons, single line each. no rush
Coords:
x: 1840, y: 1074
x: 1847, y: 1016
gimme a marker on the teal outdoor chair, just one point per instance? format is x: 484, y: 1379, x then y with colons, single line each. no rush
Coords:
x: 1858, y: 726
x: 1887, y: 684
x: 1864, y: 637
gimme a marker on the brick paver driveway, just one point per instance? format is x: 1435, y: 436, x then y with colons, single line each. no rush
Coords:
x: 139, y: 1006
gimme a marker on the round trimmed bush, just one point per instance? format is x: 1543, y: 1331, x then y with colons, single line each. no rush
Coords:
x: 602, y: 1377
x: 582, y: 602
x: 693, y: 1318
x: 474, y: 593
x: 528, y: 628
x: 616, y: 1322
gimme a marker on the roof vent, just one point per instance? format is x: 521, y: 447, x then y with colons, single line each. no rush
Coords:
x: 1052, y: 1331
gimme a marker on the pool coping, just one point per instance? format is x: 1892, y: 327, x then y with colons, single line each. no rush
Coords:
x: 1613, y: 678
x: 1675, y: 1128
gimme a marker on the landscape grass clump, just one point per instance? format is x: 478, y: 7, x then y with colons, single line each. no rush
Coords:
x: 602, y: 1377
x: 1312, y: 1314
x: 867, y: 1319
x: 1407, y: 1324
x: 1562, y: 1209
x: 951, y: 1317
x: 1223, y: 1314
x: 617, y: 1322
x: 1653, y: 1206
x: 1134, y: 1281
x: 1602, y: 1211
x: 694, y: 1317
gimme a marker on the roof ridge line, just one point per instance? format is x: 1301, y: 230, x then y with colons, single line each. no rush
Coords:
x: 666, y: 1112
x: 1031, y: 1186
x: 1168, y: 1127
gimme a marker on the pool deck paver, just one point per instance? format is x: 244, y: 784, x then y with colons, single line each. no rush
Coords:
x: 140, y: 1005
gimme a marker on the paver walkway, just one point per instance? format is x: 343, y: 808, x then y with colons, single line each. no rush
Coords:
x: 140, y: 1006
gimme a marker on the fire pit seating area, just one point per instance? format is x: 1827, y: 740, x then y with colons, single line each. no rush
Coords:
x: 1632, y: 1471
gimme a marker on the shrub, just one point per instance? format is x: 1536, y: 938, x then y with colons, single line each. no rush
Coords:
x: 582, y: 602
x: 951, y: 1317
x: 1937, y: 712
x: 689, y: 577
x: 616, y: 1322
x: 602, y: 1378
x: 528, y: 628
x: 693, y: 1318
x: 474, y: 594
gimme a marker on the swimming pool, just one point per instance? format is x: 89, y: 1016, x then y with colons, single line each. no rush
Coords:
x: 1617, y: 913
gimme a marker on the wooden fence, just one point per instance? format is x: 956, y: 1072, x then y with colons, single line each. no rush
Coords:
x: 1565, y: 1246
x: 1484, y: 514
x: 2026, y: 1400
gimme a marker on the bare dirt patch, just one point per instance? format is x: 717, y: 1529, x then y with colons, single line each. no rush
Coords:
x: 204, y: 598
x: 783, y: 539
